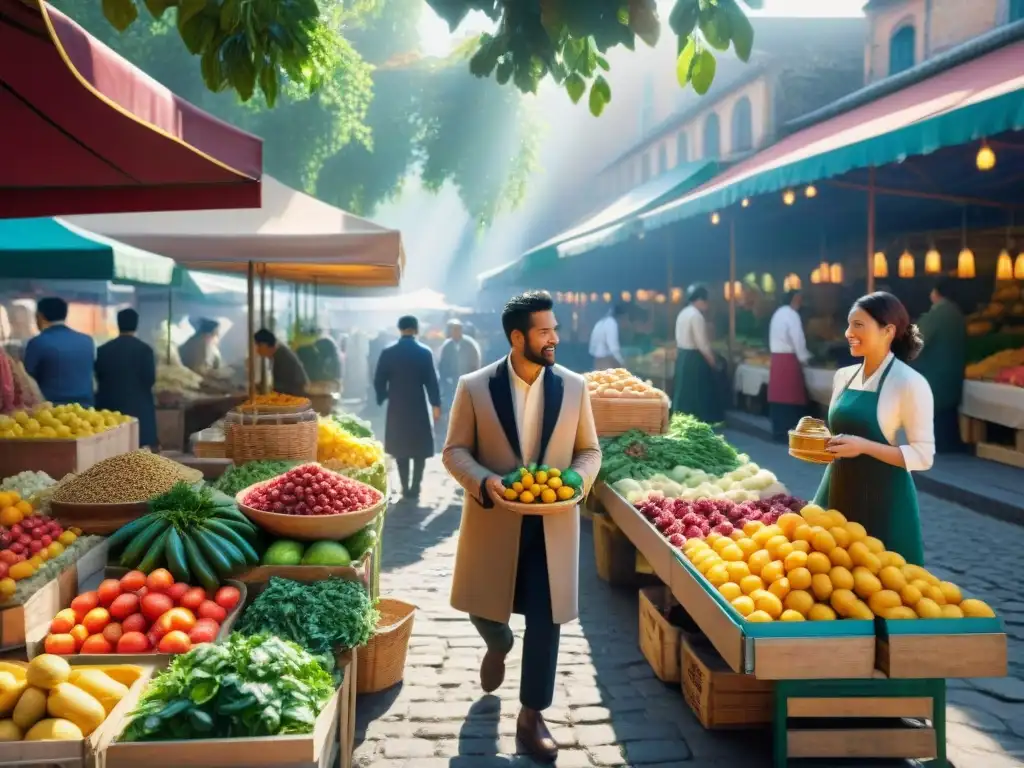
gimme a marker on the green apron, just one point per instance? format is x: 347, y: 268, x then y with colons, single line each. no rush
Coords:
x: 695, y: 390
x: 877, y: 495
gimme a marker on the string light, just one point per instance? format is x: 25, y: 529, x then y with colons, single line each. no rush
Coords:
x: 607, y: 298
x: 906, y: 264
x: 626, y: 296
x: 715, y: 218
x: 792, y: 282
x: 733, y: 290
x: 1018, y: 267
x: 816, y: 275
x: 965, y: 264
x: 986, y: 159
x: 745, y: 202
x: 1004, y: 266
x: 825, y: 271
x: 836, y: 273
x: 789, y: 197
x: 677, y: 295
x: 811, y: 191
x: 880, y: 267
x: 933, y: 261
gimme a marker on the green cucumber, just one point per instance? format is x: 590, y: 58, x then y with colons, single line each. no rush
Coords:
x: 123, y: 535
x: 154, y: 557
x: 199, y: 567
x: 214, y: 550
x: 246, y: 531
x: 139, y: 545
x: 231, y: 513
x: 232, y: 536
x: 174, y: 552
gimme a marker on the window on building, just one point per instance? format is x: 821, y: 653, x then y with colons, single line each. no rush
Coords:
x: 1016, y: 10
x: 742, y: 126
x: 712, y: 137
x: 645, y: 168
x: 682, y: 148
x: 662, y: 158
x: 647, y: 110
x: 901, y: 49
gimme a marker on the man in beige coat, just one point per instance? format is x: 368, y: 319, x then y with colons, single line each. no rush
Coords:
x: 519, y: 410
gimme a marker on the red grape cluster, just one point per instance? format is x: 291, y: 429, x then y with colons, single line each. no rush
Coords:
x: 679, y: 520
x: 26, y: 538
x: 310, y: 489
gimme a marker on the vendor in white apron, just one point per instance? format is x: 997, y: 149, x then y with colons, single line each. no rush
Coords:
x: 787, y: 392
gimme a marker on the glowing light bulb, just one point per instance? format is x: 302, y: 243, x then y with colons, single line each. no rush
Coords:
x: 789, y: 197
x: 986, y: 159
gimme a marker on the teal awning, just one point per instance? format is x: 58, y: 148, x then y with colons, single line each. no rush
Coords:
x: 37, y: 249
x: 612, y: 224
x: 983, y: 97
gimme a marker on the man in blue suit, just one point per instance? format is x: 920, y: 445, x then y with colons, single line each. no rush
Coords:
x: 60, y: 359
x: 125, y: 375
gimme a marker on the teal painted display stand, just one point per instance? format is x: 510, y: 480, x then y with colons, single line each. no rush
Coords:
x: 786, y: 690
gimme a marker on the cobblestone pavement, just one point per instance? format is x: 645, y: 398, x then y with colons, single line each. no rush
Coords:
x: 609, y: 709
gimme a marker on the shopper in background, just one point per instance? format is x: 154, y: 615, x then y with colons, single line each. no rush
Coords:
x: 460, y: 354
x: 60, y: 359
x: 696, y: 390
x: 125, y: 375
x: 942, y: 362
x: 201, y: 352
x: 288, y: 373
x: 787, y: 391
x: 406, y: 379
x: 604, y: 340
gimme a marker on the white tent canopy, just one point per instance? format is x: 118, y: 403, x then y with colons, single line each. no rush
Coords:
x: 425, y: 300
x: 292, y: 236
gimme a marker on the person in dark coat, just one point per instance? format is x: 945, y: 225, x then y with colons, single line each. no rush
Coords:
x: 201, y: 352
x: 60, y: 359
x: 288, y: 372
x: 125, y: 375
x: 406, y: 379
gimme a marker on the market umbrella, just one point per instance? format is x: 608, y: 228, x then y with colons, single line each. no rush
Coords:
x: 84, y: 131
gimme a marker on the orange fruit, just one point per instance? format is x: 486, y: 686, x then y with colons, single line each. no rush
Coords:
x: 10, y: 516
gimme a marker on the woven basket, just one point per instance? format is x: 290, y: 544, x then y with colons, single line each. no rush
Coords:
x: 210, y: 449
x: 382, y: 661
x: 253, y: 442
x: 614, y: 416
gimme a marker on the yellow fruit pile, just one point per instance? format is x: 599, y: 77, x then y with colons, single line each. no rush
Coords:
x: 816, y: 566
x: 274, y: 400
x: 67, y: 422
x: 618, y: 382
x: 333, y: 442
x: 544, y: 487
x: 993, y: 364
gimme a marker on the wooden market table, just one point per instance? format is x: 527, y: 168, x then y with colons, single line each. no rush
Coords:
x: 175, y: 423
x: 987, y: 403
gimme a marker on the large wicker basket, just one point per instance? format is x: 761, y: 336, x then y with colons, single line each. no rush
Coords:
x: 614, y: 416
x: 382, y: 661
x: 281, y: 436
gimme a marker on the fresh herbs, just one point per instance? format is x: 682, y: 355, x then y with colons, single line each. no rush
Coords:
x: 689, y: 443
x: 243, y: 687
x: 353, y: 425
x: 250, y: 473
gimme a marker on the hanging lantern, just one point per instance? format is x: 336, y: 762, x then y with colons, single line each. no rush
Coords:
x: 660, y: 298
x: 745, y: 202
x: 789, y: 197
x: 965, y: 264
x: 825, y: 272
x: 1004, y: 266
x: 986, y: 159
x: 626, y: 296
x: 1018, y: 267
x: 715, y: 218
x: 835, y: 274
x: 607, y: 298
x: 733, y: 290
x: 792, y: 282
x: 906, y: 264
x: 677, y: 295
x: 593, y: 297
x: 816, y: 276
x: 767, y: 283
x: 811, y: 191
x: 932, y: 261
x: 881, y: 265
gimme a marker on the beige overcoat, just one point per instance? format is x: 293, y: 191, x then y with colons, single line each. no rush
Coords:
x: 477, y: 447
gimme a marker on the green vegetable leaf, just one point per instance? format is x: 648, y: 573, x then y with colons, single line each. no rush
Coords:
x: 120, y: 13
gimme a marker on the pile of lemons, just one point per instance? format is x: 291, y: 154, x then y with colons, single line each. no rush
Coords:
x: 335, y: 444
x: 59, y: 421
x: 543, y: 485
x: 818, y: 566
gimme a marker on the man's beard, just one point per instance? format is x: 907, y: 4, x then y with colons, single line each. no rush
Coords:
x: 537, y: 357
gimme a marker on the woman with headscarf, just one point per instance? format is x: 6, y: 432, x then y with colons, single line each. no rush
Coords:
x: 696, y: 380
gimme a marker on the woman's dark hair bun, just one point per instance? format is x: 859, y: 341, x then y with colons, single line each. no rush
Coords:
x: 886, y: 309
x: 909, y: 345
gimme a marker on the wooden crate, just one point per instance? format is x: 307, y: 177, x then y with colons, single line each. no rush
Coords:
x: 614, y: 416
x: 348, y: 662
x: 942, y: 648
x: 614, y: 553
x: 976, y: 432
x: 644, y: 536
x: 719, y: 697
x: 659, y: 638
x: 59, y: 457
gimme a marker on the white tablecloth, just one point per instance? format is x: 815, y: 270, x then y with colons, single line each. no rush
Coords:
x: 750, y: 379
x: 997, y: 403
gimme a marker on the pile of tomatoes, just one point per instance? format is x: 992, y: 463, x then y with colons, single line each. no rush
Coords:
x: 140, y: 614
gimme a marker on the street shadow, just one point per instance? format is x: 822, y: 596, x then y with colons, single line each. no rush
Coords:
x: 372, y: 706
x: 479, y: 735
x: 415, y: 525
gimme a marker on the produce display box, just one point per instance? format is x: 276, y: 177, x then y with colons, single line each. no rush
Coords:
x: 942, y: 648
x: 659, y: 639
x: 29, y: 622
x: 347, y: 661
x: 314, y: 750
x: 82, y: 753
x: 719, y: 697
x: 614, y: 553
x: 57, y: 457
x: 615, y: 416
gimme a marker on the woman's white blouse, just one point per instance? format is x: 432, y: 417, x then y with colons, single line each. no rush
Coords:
x: 905, y: 403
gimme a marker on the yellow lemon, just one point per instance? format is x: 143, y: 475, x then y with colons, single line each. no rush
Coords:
x: 554, y: 472
x: 788, y: 523
x: 951, y: 592
x: 883, y: 600
x: 770, y: 604
x: 900, y: 612
x: 717, y: 575
x: 818, y: 563
x: 895, y: 558
x: 841, y: 558
x: 721, y: 543
x: 800, y: 601
x: 535, y: 489
x: 788, y: 615
x: 857, y: 531
x: 780, y: 588
x: 928, y: 609
x: 935, y: 594
x: 801, y: 546
x: 892, y: 578
x: 517, y: 487
x: 910, y: 595
x: 510, y: 494
x: 747, y: 546
x: 732, y: 553
x: 730, y: 590
x: 759, y: 617
x: 843, y: 601
x: 737, y: 571
x: 875, y: 546
x: 795, y: 560
x: 836, y: 518
x: 744, y: 605
x: 750, y: 584
x: 800, y: 578
x: 951, y: 612
x: 772, y: 572
x: 527, y: 480
x: 976, y: 609
x: 555, y: 482
x: 841, y: 578
x: 811, y: 510
x: 751, y: 527
x: 860, y: 611
x: 548, y: 496
x: 758, y: 561
x: 565, y: 493
x: 823, y: 541
x: 841, y: 536
x: 526, y: 497
x: 865, y: 583
x: 773, y: 544
x: 821, y: 612
x: 541, y: 477
x: 803, y: 532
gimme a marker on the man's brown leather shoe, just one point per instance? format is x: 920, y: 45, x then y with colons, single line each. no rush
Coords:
x: 533, y: 736
x: 492, y: 671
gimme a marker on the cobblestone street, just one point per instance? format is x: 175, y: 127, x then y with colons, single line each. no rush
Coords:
x: 609, y: 708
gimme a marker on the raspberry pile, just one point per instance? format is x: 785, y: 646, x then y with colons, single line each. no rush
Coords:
x: 678, y: 520
x: 310, y: 489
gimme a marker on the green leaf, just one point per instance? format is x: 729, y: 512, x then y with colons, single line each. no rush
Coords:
x: 504, y: 70
x: 187, y: 9
x: 684, y: 64
x: 157, y: 8
x: 714, y: 25
x: 120, y: 13
x: 600, y: 95
x: 575, y: 87
x: 742, y: 31
x: 602, y: 62
x: 269, y: 84
x: 230, y: 15
x: 684, y: 17
x: 703, y: 71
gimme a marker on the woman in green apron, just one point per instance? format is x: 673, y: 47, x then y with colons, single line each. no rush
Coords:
x: 869, y: 481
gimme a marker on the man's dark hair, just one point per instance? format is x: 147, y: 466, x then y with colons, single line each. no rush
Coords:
x: 518, y: 312
x: 263, y: 336
x: 943, y: 286
x: 128, y: 321
x: 620, y: 310
x: 696, y: 293
x: 53, y: 309
x: 408, y: 323
x: 790, y: 295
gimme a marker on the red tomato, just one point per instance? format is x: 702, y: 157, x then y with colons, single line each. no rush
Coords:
x: 205, y: 631
x: 84, y: 603
x: 177, y: 618
x: 124, y: 606
x: 142, y: 592
x: 97, y: 644
x: 135, y: 623
x: 62, y: 644
x: 159, y: 580
x: 113, y: 632
x: 153, y: 638
x: 8, y: 556
x: 227, y: 597
x: 108, y: 591
x: 133, y: 642
x: 4, y: 568
x: 133, y: 581
x: 210, y: 610
x: 63, y: 622
x: 193, y: 599
x: 80, y: 633
x: 155, y: 605
x: 175, y: 642
x: 95, y: 620
x: 176, y: 591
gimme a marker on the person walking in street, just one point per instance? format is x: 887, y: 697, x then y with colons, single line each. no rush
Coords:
x: 522, y: 409
x: 460, y: 354
x: 125, y: 375
x: 201, y: 351
x: 604, y: 340
x: 869, y: 480
x: 288, y: 373
x: 942, y: 362
x: 60, y: 359
x: 406, y: 379
x: 787, y: 391
x: 696, y: 378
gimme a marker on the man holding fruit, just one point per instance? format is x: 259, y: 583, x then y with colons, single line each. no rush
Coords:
x: 521, y: 413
